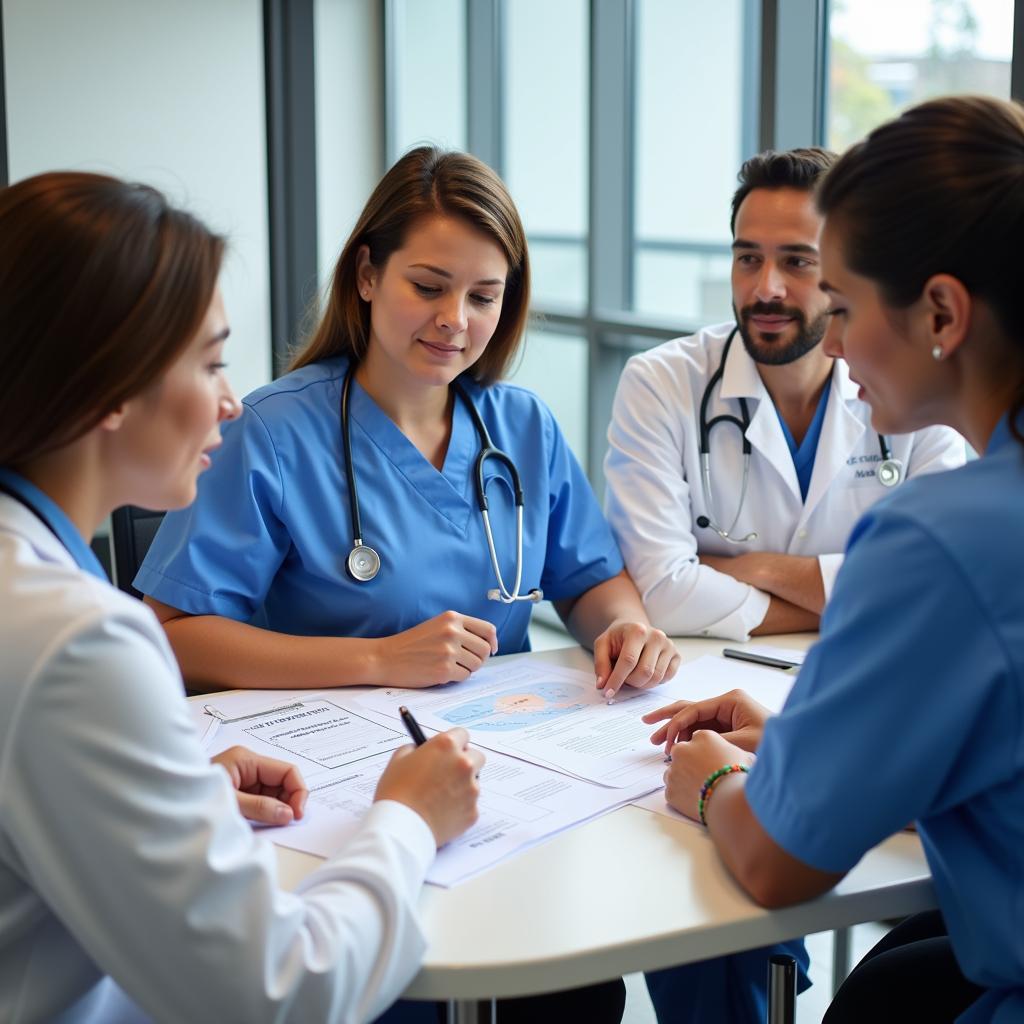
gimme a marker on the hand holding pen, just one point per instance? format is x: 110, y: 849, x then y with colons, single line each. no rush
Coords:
x: 437, y: 779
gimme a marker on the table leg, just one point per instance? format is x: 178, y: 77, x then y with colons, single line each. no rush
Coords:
x: 471, y: 1011
x: 781, y: 989
x: 840, y: 957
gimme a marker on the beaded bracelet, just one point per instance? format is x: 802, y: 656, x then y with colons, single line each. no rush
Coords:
x: 709, y: 784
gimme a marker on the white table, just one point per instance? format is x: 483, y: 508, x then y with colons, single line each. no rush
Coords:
x: 630, y: 891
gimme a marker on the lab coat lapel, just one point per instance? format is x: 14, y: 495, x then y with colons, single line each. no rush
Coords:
x: 411, y: 469
x: 840, y: 436
x: 741, y: 380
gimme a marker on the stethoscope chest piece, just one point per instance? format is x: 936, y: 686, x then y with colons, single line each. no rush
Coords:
x: 890, y: 472
x: 363, y: 563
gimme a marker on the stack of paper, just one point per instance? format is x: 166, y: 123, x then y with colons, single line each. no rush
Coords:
x: 559, y: 754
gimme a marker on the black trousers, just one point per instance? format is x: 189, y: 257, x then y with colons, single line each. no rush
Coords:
x: 594, y: 1004
x: 911, y: 974
x: 602, y: 1003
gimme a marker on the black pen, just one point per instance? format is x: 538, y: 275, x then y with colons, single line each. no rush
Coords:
x: 758, y: 659
x: 412, y: 726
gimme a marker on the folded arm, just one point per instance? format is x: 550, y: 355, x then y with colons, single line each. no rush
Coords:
x: 794, y: 580
x: 648, y: 506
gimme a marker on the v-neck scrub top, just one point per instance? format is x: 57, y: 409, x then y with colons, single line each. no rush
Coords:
x: 267, y: 539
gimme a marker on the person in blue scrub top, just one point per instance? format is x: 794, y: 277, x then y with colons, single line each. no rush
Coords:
x: 911, y: 706
x: 256, y: 583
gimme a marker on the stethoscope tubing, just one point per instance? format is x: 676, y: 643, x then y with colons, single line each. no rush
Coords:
x: 487, y: 451
x: 890, y: 470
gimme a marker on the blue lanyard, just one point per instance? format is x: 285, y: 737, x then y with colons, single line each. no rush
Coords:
x: 53, y: 517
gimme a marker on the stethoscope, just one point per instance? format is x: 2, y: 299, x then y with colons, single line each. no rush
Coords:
x: 889, y: 472
x: 364, y: 563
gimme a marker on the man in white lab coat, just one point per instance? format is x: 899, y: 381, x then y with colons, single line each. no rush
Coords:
x: 709, y: 559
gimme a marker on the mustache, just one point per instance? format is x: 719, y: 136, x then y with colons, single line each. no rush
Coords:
x: 771, y: 309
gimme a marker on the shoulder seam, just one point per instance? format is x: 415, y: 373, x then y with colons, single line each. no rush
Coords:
x: 277, y: 459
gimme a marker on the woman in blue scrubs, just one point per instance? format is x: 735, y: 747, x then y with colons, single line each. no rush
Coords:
x: 427, y: 308
x: 911, y: 707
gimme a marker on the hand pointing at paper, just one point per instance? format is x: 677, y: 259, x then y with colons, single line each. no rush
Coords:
x: 735, y: 715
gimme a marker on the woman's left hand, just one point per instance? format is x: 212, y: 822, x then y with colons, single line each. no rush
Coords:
x: 269, y: 791
x: 633, y: 654
x: 692, y: 762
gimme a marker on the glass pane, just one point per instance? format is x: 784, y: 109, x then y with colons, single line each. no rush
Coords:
x: 559, y: 272
x: 545, y: 144
x: 430, y: 73
x: 691, y: 286
x: 689, y: 131
x: 928, y: 48
x: 554, y: 365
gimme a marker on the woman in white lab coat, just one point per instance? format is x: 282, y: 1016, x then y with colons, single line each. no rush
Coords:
x: 130, y: 885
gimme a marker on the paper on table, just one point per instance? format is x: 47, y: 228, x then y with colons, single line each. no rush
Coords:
x: 521, y: 804
x: 711, y: 676
x: 548, y: 715
x: 206, y: 725
x: 656, y: 802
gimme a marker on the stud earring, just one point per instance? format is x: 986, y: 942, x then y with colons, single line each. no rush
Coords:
x: 937, y: 353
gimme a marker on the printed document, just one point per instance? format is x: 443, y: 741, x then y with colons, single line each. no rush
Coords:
x: 341, y: 753
x: 546, y: 714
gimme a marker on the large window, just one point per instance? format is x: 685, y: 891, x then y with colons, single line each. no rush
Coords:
x: 619, y: 126
x: 428, y: 87
x: 690, y: 122
x: 928, y: 48
x: 545, y: 140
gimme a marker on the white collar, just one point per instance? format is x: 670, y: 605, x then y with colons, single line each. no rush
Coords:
x: 17, y: 519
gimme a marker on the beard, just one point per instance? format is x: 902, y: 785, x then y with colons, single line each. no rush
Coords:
x: 778, y: 352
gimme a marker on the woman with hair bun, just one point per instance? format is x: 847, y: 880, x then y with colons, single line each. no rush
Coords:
x: 911, y: 706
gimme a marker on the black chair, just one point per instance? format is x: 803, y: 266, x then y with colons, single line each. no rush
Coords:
x: 133, y: 530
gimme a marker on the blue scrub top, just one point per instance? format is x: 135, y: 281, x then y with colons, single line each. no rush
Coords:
x: 267, y: 539
x: 804, y: 453
x: 911, y: 708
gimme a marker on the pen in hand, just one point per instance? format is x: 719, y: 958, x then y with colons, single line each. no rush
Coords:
x: 412, y: 726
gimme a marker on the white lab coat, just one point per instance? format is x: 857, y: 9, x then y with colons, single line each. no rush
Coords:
x: 122, y: 851
x: 654, y: 493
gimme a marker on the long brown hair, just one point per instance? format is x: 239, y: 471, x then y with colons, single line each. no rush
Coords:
x: 939, y: 190
x: 426, y: 181
x: 102, y: 285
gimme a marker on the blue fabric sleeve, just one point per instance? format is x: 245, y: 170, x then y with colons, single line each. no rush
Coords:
x: 878, y: 728
x: 219, y: 556
x: 581, y: 551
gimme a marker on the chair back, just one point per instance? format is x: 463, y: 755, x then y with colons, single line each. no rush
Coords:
x: 133, y: 530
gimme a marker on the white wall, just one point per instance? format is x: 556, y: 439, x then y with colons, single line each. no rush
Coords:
x: 170, y: 93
